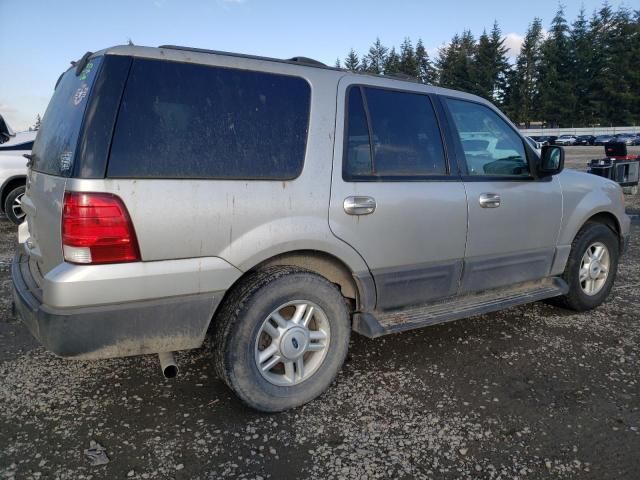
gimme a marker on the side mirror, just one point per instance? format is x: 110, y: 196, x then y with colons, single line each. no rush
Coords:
x: 551, y: 161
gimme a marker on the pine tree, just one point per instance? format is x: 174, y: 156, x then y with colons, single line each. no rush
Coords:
x: 408, y: 63
x: 455, y: 63
x: 352, y: 62
x: 337, y: 64
x: 392, y: 63
x: 499, y: 64
x: 581, y: 69
x: 600, y: 38
x: 36, y: 126
x: 377, y: 57
x: 556, y: 97
x: 424, y: 69
x: 523, y: 90
x: 483, y: 67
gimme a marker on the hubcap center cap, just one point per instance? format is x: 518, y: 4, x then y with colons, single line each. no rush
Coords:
x: 594, y: 270
x: 294, y: 343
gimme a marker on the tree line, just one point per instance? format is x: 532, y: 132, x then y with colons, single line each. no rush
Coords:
x: 577, y: 74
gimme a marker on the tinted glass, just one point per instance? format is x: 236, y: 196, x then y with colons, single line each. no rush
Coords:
x: 358, y: 160
x: 405, y: 136
x: 55, y: 146
x: 490, y: 146
x: 180, y: 120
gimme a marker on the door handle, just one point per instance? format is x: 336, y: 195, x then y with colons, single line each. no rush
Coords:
x: 489, y: 200
x: 359, y: 205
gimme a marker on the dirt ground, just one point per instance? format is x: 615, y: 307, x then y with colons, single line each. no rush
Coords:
x: 530, y: 392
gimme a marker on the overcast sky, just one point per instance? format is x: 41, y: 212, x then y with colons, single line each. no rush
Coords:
x: 38, y: 39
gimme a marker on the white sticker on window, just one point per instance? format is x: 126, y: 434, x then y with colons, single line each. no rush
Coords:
x: 81, y: 92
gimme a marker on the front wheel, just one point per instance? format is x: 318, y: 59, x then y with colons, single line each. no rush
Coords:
x: 281, y: 337
x: 591, y: 268
x: 13, y: 205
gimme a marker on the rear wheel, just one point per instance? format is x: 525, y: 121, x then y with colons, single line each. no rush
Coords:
x: 591, y: 268
x: 13, y: 205
x: 281, y: 337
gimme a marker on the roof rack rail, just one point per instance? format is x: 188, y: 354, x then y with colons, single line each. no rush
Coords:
x: 306, y: 61
x: 297, y: 60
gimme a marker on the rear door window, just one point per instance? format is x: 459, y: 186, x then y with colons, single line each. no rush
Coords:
x: 180, y: 120
x: 391, y: 135
x: 55, y: 146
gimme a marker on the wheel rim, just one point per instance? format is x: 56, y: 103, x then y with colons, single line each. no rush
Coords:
x: 594, y: 268
x: 16, y: 207
x: 292, y: 343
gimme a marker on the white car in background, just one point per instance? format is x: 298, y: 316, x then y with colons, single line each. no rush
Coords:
x: 13, y: 169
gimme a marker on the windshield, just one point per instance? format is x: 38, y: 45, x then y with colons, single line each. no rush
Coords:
x: 55, y: 145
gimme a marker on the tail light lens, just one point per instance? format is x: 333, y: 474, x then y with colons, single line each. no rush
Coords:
x: 96, y: 228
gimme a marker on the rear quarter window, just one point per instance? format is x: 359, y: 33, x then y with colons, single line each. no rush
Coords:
x: 55, y: 146
x: 180, y: 120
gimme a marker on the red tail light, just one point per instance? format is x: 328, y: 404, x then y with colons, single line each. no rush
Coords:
x: 96, y: 228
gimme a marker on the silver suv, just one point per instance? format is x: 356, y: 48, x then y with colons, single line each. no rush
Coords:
x: 283, y: 204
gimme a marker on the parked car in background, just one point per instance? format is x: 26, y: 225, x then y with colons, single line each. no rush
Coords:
x: 628, y: 138
x: 603, y: 139
x: 545, y: 139
x: 584, y: 140
x: 318, y: 201
x: 537, y: 146
x: 565, y: 140
x: 13, y: 170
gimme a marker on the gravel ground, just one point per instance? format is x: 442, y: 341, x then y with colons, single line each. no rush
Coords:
x: 530, y: 392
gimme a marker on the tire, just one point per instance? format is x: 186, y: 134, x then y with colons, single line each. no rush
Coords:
x: 590, y: 237
x: 11, y: 205
x: 240, y: 337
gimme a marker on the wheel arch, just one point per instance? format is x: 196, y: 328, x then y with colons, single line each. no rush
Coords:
x: 356, y: 286
x: 608, y: 219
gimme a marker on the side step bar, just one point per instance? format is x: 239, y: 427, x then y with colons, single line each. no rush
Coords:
x: 380, y: 323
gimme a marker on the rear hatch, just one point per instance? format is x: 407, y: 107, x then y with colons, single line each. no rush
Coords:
x: 53, y: 156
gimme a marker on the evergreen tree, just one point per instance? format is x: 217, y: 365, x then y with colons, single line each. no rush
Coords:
x: 584, y: 74
x: 408, y: 63
x: 455, y: 63
x: 581, y: 69
x: 392, y: 62
x: 377, y: 57
x: 600, y: 38
x: 523, y: 90
x: 556, y: 98
x: 491, y: 65
x: 337, y: 64
x: 424, y: 69
x: 36, y: 126
x: 352, y: 62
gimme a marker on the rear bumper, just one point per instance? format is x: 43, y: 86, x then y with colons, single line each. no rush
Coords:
x: 129, y: 328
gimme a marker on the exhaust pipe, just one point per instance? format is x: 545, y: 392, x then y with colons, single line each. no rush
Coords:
x: 168, y: 364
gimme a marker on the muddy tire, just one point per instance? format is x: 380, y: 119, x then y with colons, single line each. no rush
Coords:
x: 591, y: 268
x: 12, y: 205
x: 280, y: 337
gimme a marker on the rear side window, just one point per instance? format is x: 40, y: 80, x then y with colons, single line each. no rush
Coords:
x: 55, y: 146
x: 180, y: 120
x: 391, y: 135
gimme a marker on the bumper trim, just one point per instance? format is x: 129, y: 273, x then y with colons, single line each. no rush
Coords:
x: 131, y: 328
